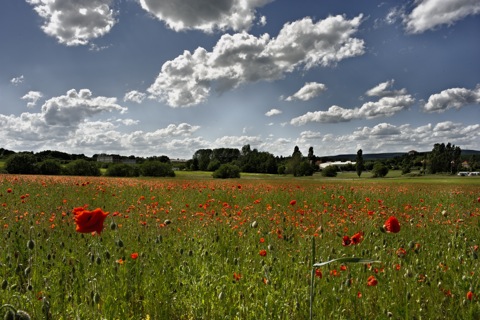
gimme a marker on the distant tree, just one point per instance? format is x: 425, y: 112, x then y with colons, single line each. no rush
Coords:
x: 82, y: 167
x: 21, y: 163
x: 226, y: 171
x: 311, y: 155
x: 50, y: 167
x: 122, y: 170
x: 156, y: 169
x: 203, y: 157
x: 444, y: 158
x: 359, y: 162
x: 213, y: 165
x: 330, y: 171
x: 379, y: 170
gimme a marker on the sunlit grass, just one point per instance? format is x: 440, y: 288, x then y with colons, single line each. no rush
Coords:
x: 240, y: 249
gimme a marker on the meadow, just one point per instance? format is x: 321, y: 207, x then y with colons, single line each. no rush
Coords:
x: 192, y: 247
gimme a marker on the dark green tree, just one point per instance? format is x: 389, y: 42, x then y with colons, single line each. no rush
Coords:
x: 50, y: 167
x: 227, y: 171
x: 21, y: 163
x: 359, y: 164
x: 82, y: 167
x: 379, y: 170
x: 156, y: 169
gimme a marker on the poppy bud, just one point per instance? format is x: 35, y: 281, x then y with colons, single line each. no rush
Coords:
x: 9, y: 315
x: 96, y: 297
x: 113, y: 226
x: 4, y: 284
x: 30, y: 244
x: 254, y: 224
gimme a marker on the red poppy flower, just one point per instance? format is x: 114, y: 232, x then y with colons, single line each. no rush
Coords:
x: 263, y: 253
x: 262, y: 240
x: 9, y: 190
x: 318, y: 273
x: 89, y: 221
x: 237, y: 276
x: 293, y: 202
x: 401, y: 252
x: 371, y: 281
x: 346, y: 241
x: 357, y: 238
x: 469, y: 295
x: 134, y: 255
x: 392, y: 225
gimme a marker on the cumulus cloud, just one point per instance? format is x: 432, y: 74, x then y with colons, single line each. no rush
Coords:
x: 382, y: 90
x: 429, y: 14
x: 33, y: 97
x: 273, y: 112
x: 205, y: 15
x: 309, y: 91
x: 17, y: 80
x: 385, y: 107
x: 242, y: 58
x: 134, y: 96
x: 74, y: 22
x: 71, y: 109
x: 452, y: 98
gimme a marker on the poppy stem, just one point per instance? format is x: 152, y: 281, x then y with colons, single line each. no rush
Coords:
x: 312, y: 278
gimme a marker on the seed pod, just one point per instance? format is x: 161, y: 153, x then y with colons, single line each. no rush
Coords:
x: 9, y: 315
x: 4, y: 284
x: 96, y: 297
x: 22, y: 315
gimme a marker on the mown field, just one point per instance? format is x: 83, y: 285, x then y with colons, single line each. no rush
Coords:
x: 192, y: 247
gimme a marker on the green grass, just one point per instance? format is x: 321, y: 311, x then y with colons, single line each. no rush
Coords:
x: 199, y: 240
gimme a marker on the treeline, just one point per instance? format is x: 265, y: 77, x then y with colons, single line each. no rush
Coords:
x: 229, y: 162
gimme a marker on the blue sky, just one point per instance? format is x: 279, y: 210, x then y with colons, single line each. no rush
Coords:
x: 149, y: 77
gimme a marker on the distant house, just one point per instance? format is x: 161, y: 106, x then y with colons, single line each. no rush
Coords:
x: 335, y: 163
x: 114, y: 158
x: 465, y: 165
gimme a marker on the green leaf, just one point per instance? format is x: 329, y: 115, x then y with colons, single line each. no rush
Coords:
x: 347, y: 260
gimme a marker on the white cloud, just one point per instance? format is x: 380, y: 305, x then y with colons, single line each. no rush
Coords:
x: 429, y: 14
x: 74, y: 22
x: 273, y: 112
x: 71, y: 109
x: 205, y: 15
x: 17, y: 80
x: 134, y: 96
x: 309, y: 91
x: 33, y: 96
x: 243, y: 58
x: 385, y: 107
x: 452, y: 98
x: 236, y: 141
x: 381, y: 90
x: 128, y: 122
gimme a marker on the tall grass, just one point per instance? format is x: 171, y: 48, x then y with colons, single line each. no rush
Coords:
x: 239, y: 249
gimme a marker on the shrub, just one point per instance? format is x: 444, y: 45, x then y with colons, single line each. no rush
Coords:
x: 156, y: 169
x: 213, y: 165
x: 49, y: 167
x: 330, y: 171
x: 379, y: 170
x: 227, y: 171
x: 82, y: 168
x: 122, y: 170
x: 21, y: 163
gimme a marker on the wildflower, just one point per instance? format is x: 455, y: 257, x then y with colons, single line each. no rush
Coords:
x: 469, y: 295
x: 237, y: 276
x: 372, y: 281
x: 392, y: 225
x: 346, y: 241
x: 89, y: 221
x: 134, y: 255
x: 359, y: 294
x: 262, y: 240
x: 9, y: 190
x: 401, y: 252
x: 263, y: 253
x: 318, y: 273
x: 357, y: 238
x: 293, y: 202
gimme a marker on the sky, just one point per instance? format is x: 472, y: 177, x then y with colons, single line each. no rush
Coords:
x: 169, y: 77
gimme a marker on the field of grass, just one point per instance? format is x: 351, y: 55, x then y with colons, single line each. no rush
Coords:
x: 192, y: 247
